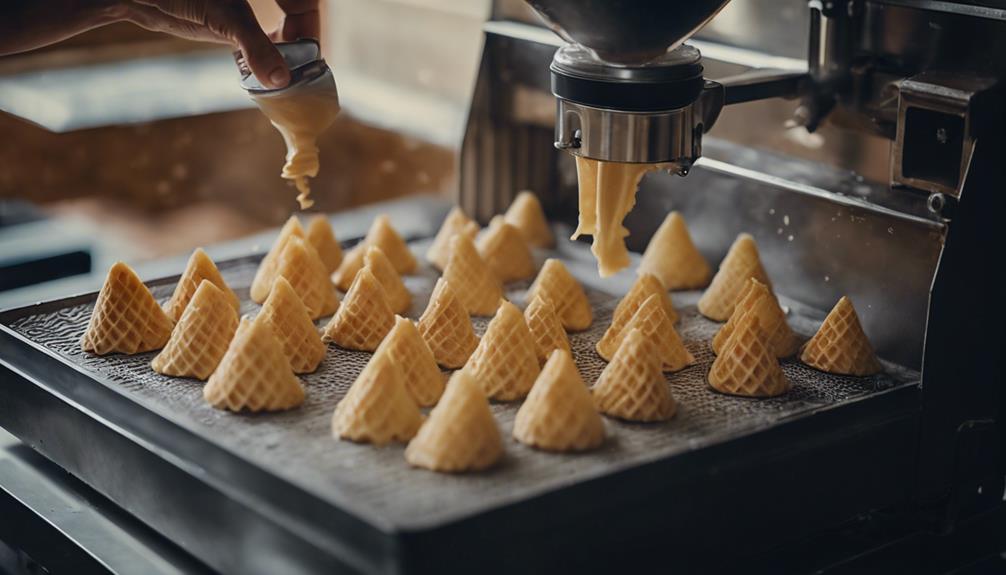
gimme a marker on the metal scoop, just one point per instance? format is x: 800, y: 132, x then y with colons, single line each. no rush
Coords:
x: 307, y: 68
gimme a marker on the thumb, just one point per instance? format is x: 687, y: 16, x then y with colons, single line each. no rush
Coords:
x: 262, y: 56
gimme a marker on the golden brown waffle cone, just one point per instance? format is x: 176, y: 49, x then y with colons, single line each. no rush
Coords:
x: 556, y: 284
x: 456, y: 222
x: 322, y: 238
x: 646, y: 286
x: 351, y: 263
x: 526, y: 215
x: 757, y: 299
x: 672, y: 257
x: 199, y: 268
x: 740, y: 264
x: 546, y: 329
x: 126, y: 317
x: 559, y: 414
x: 460, y: 434
x: 364, y: 317
x: 503, y: 249
x: 505, y: 363
x: 632, y: 386
x: 447, y: 328
x: 473, y: 283
x: 254, y: 374
x: 266, y: 271
x: 840, y: 344
x: 300, y: 265
x: 398, y: 295
x: 384, y: 236
x: 747, y: 366
x: 406, y: 348
x: 201, y: 337
x: 377, y: 409
x: 291, y: 324
x: 651, y: 319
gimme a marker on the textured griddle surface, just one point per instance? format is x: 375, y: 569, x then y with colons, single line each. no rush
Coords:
x: 378, y: 485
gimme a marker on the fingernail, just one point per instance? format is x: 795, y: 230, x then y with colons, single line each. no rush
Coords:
x: 279, y: 77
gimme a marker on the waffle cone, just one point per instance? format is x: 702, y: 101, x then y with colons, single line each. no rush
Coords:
x: 747, y: 366
x: 352, y: 263
x: 559, y: 413
x: 632, y: 387
x: 377, y: 409
x: 504, y: 249
x: 300, y: 265
x: 460, y: 434
x: 651, y: 319
x: 673, y: 258
x: 199, y: 268
x: 647, y: 285
x: 757, y: 299
x: 364, y: 317
x: 740, y: 264
x: 554, y: 283
x: 471, y: 279
x: 505, y: 363
x: 406, y: 348
x: 322, y: 239
x: 398, y: 295
x: 840, y: 344
x: 526, y: 215
x: 254, y: 374
x: 126, y: 317
x: 202, y: 335
x: 446, y: 328
x: 291, y: 324
x: 266, y: 271
x: 384, y: 236
x: 456, y: 222
x: 546, y: 329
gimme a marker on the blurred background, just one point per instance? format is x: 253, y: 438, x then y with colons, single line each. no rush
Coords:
x: 138, y: 146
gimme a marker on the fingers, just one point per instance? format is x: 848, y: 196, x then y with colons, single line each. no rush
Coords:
x: 150, y: 18
x: 302, y: 20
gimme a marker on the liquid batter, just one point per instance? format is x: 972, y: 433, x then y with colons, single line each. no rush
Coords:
x: 300, y: 116
x: 607, y: 194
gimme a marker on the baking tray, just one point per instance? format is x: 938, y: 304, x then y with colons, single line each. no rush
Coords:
x: 356, y: 505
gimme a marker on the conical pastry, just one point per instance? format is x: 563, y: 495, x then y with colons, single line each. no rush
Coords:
x: 456, y: 222
x: 377, y: 409
x: 199, y: 268
x: 460, y: 433
x: 559, y: 413
x: 406, y: 348
x: 201, y: 337
x: 291, y: 324
x: 322, y: 238
x: 651, y: 319
x: 742, y: 263
x: 503, y: 249
x: 747, y: 366
x: 505, y: 363
x: 384, y: 236
x: 352, y: 262
x: 757, y: 299
x: 546, y: 329
x: 647, y: 285
x: 632, y: 387
x: 266, y: 271
x: 364, y: 317
x: 470, y: 278
x: 446, y: 327
x: 556, y: 284
x: 126, y: 317
x: 840, y: 344
x: 398, y: 295
x: 300, y: 265
x: 673, y: 258
x: 526, y: 215
x: 254, y: 374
